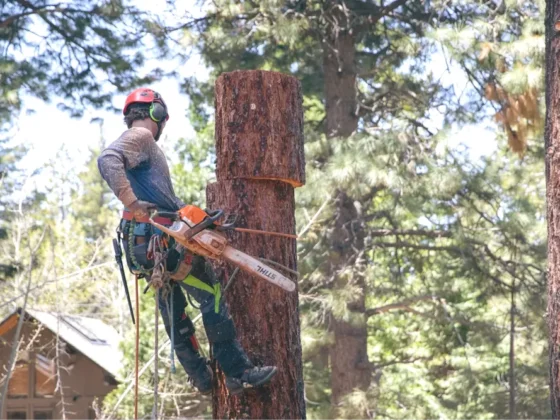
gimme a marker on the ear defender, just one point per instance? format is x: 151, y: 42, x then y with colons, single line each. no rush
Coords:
x: 157, y: 112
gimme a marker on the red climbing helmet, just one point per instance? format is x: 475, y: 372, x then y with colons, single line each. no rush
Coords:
x: 158, y: 108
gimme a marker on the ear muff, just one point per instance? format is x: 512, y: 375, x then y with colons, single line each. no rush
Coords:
x: 158, y: 112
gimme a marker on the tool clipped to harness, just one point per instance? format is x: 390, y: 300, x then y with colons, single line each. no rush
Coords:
x: 118, y: 257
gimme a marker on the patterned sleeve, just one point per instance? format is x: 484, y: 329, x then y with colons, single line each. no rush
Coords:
x: 129, y: 151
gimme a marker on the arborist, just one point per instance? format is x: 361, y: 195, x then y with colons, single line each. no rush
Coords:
x: 136, y: 170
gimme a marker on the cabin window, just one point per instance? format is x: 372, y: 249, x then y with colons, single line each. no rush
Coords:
x: 43, y: 379
x: 45, y: 382
x: 16, y: 415
x: 42, y: 415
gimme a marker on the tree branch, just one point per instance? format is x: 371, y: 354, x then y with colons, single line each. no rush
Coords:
x: 403, y: 304
x: 21, y: 320
x: 389, y: 8
x: 411, y: 232
x: 400, y: 244
x: 11, y: 19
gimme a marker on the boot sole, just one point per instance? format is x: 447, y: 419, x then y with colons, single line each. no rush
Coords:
x: 263, y: 381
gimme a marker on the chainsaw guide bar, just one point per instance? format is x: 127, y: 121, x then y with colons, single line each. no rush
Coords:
x: 212, y: 244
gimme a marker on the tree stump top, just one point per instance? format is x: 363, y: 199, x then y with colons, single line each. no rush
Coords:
x: 259, y: 127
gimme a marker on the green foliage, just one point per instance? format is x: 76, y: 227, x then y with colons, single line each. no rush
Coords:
x: 292, y: 37
x: 78, y: 52
x: 93, y: 202
x: 10, y: 182
x: 446, y: 239
x: 195, y: 167
x: 500, y: 47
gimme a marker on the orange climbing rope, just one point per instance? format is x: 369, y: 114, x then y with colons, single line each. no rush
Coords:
x: 137, y: 350
x: 264, y: 232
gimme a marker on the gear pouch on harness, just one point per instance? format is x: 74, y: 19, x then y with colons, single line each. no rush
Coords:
x: 137, y: 258
x: 136, y: 238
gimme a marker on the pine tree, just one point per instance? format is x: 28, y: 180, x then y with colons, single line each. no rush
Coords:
x: 400, y: 196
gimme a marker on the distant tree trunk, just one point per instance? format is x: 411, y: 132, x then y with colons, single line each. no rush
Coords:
x: 259, y: 149
x: 350, y: 368
x: 512, y: 405
x: 552, y: 145
x: 340, y: 73
x: 348, y: 354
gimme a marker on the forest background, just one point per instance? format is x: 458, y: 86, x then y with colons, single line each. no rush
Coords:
x: 431, y: 255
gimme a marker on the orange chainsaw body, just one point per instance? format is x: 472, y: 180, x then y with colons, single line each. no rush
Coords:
x: 192, y: 215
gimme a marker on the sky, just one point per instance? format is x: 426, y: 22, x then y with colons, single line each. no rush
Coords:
x: 78, y: 135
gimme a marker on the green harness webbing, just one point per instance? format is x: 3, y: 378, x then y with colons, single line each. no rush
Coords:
x: 199, y: 284
x: 190, y: 280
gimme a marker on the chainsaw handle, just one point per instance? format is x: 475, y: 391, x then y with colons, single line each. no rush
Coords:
x: 173, y: 215
x: 214, y: 215
x: 206, y: 223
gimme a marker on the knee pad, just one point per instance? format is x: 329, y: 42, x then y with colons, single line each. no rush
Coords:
x: 224, y: 331
x: 185, y: 326
x: 186, y: 329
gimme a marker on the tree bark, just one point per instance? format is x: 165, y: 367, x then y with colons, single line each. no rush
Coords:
x: 348, y: 355
x: 259, y: 127
x: 552, y: 145
x: 259, y: 149
x: 339, y: 68
x: 350, y: 368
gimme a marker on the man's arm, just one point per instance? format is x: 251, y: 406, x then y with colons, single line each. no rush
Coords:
x: 129, y: 151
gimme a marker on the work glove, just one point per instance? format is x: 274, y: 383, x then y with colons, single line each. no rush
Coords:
x: 141, y: 209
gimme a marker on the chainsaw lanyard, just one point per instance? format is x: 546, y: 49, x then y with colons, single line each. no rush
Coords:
x: 199, y: 284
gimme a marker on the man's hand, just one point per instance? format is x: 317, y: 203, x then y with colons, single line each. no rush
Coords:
x: 141, y: 209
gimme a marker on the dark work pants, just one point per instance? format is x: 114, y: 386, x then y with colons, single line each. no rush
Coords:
x: 229, y: 354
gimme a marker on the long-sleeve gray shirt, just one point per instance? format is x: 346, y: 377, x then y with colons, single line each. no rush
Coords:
x: 136, y: 169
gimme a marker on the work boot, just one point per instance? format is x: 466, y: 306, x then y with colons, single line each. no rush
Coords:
x: 202, y: 379
x: 251, y: 378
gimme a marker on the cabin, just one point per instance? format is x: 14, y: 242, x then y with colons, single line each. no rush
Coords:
x: 64, y: 362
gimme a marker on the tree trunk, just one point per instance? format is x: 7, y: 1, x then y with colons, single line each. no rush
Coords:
x: 340, y: 74
x: 349, y: 361
x: 350, y: 368
x: 259, y: 149
x: 552, y: 145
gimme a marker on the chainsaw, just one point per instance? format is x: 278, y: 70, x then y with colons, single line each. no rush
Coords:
x: 200, y: 232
